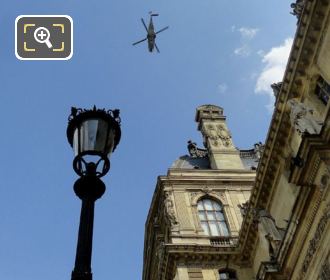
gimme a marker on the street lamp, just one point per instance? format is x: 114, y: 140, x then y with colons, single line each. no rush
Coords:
x: 93, y: 135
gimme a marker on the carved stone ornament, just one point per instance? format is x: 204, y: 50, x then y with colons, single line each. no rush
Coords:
x: 169, y: 209
x: 211, y: 133
x: 224, y: 135
x: 325, y: 180
x: 206, y: 190
x: 196, y: 152
x: 193, y: 195
x: 325, y: 271
x: 301, y: 117
x: 314, y: 243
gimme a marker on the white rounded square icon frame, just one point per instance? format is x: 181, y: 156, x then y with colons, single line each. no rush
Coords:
x: 40, y: 58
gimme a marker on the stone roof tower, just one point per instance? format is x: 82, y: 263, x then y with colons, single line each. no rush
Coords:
x: 217, y: 138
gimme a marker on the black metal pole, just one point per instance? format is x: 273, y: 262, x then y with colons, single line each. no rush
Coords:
x: 82, y: 269
x: 88, y: 188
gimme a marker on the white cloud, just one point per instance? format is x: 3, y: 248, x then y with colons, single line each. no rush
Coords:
x: 222, y: 88
x: 248, y: 33
x: 275, y: 62
x: 244, y: 50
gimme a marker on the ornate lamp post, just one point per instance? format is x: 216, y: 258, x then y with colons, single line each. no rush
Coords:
x: 93, y: 135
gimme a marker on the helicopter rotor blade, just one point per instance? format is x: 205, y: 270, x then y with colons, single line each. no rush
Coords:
x: 138, y: 42
x: 144, y: 24
x: 157, y: 48
x: 163, y: 29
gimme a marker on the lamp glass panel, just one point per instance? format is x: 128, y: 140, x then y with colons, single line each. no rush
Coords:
x: 75, y: 142
x: 93, y: 135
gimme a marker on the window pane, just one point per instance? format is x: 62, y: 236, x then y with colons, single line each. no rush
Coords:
x: 219, y: 216
x: 214, y: 229
x: 205, y: 228
x: 207, y: 204
x: 210, y: 216
x: 202, y: 216
x: 223, y: 276
x: 200, y: 206
x: 224, y: 229
x: 216, y: 206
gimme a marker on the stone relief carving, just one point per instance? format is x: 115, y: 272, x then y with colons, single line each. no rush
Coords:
x: 302, y: 118
x: 224, y: 135
x: 160, y: 253
x: 315, y: 241
x: 210, y: 133
x: 193, y: 195
x: 325, y: 180
x: 206, y: 190
x: 325, y: 271
x: 196, y: 152
x: 169, y: 209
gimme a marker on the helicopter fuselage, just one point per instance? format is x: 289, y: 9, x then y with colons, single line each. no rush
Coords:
x: 151, y: 36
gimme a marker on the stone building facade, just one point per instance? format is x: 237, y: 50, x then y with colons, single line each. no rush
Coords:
x: 224, y: 213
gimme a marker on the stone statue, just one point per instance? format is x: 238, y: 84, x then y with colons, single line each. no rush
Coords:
x: 169, y: 210
x: 258, y: 149
x: 276, y: 87
x: 297, y: 8
x: 244, y: 208
x: 196, y: 152
x: 302, y: 118
x: 272, y: 233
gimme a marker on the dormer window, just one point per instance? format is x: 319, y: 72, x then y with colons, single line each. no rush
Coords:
x: 212, y: 218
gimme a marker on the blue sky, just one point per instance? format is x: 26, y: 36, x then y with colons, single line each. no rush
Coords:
x: 216, y: 51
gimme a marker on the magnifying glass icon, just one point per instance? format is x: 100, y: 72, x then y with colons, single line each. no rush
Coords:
x: 42, y: 35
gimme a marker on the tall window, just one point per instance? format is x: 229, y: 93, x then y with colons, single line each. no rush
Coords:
x: 227, y: 274
x: 212, y: 218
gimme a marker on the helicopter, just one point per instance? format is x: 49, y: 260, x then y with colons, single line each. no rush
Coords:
x: 151, y: 34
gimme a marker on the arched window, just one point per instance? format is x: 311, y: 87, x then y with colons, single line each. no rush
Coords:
x: 227, y: 274
x: 212, y: 217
